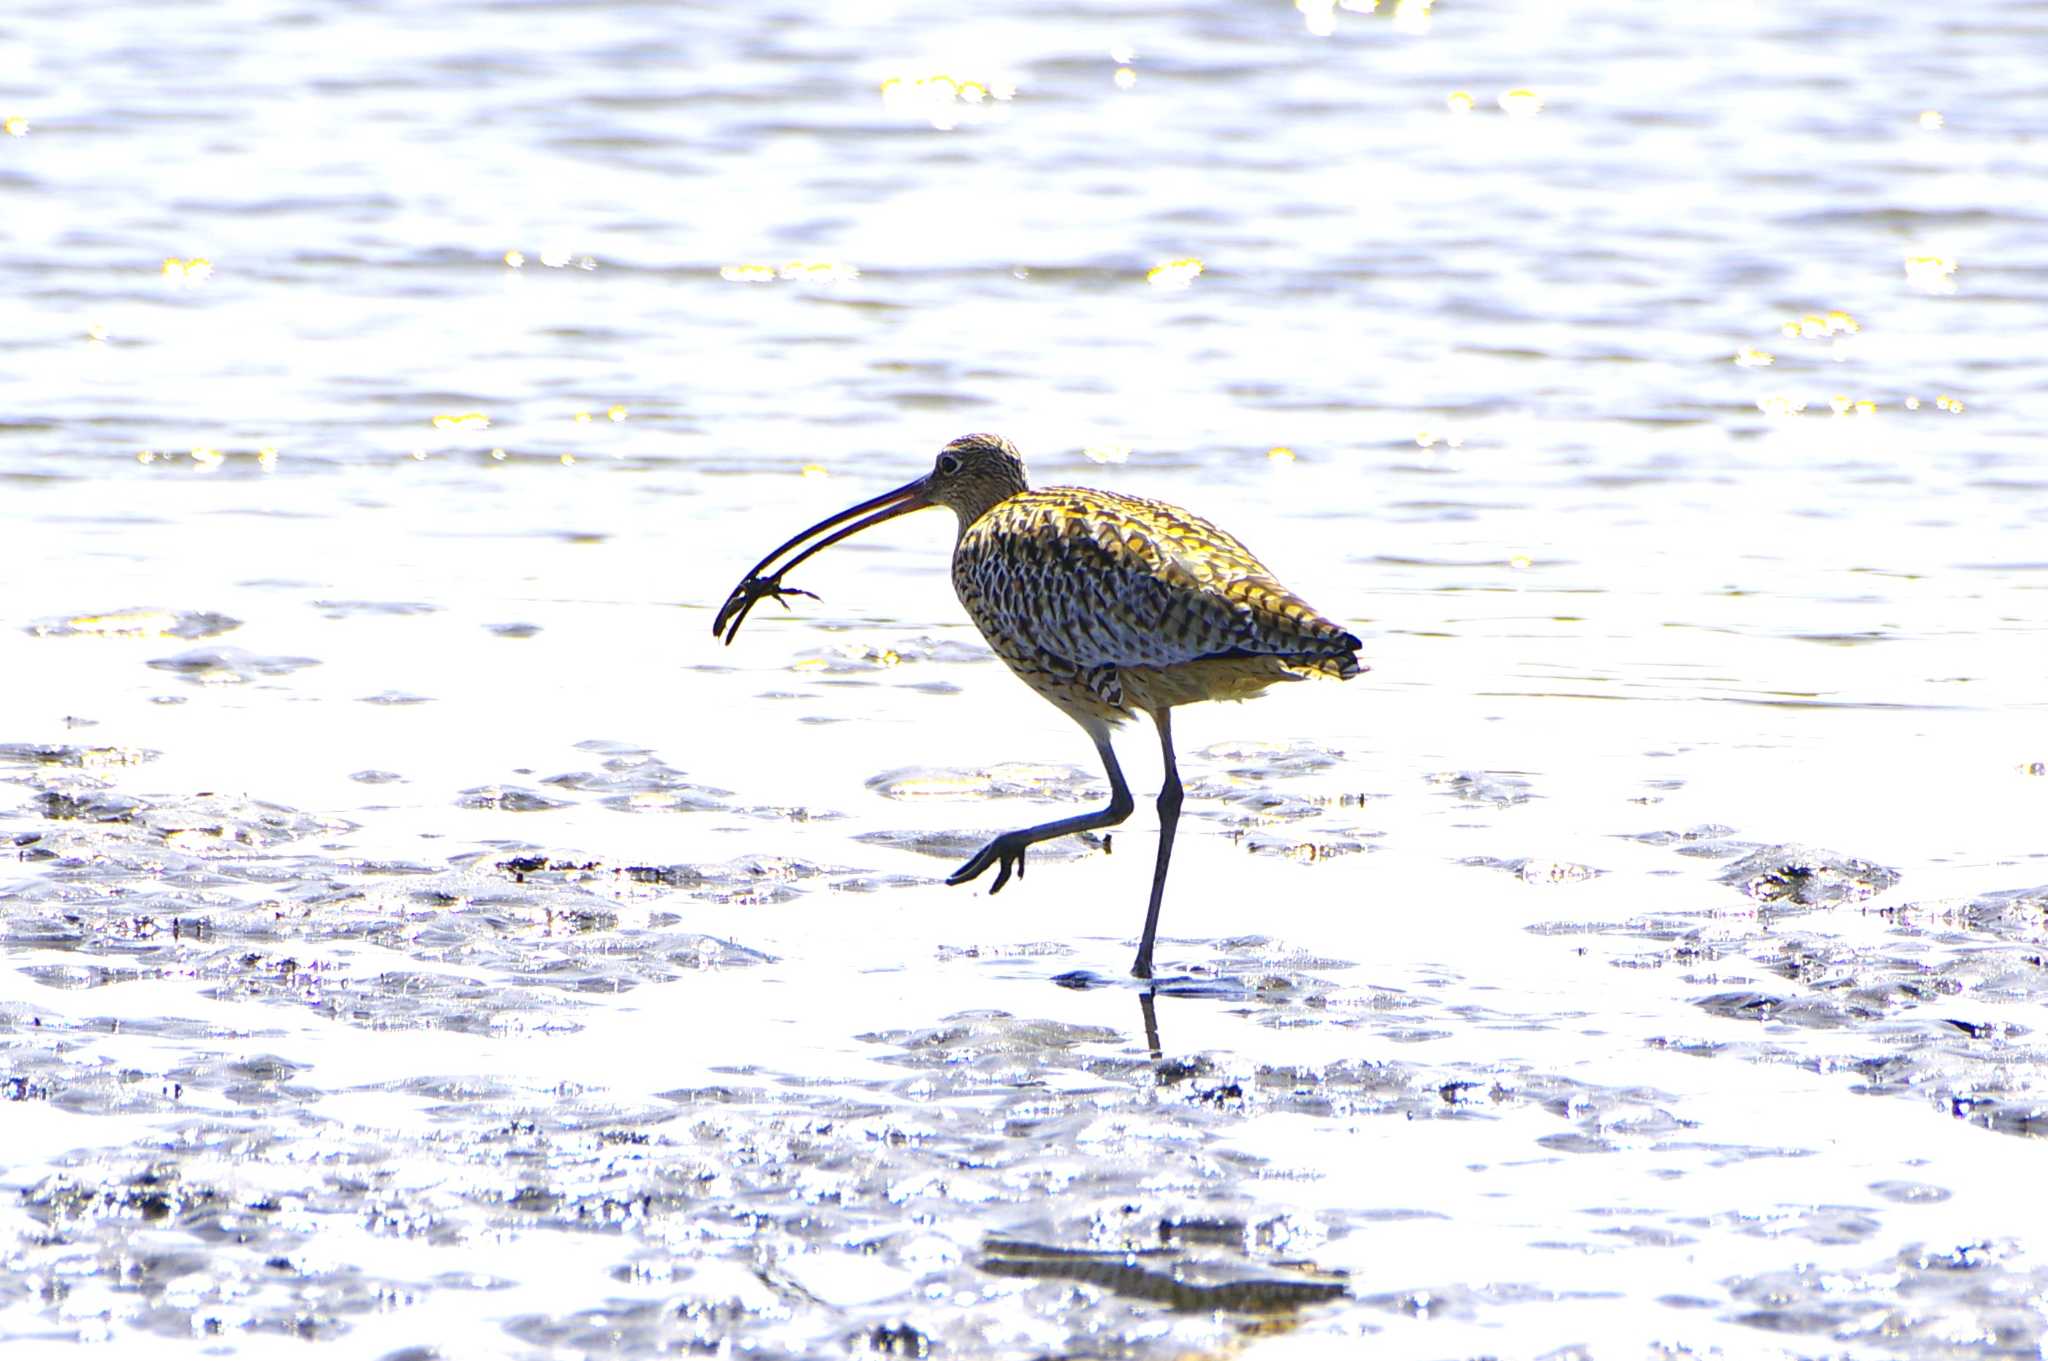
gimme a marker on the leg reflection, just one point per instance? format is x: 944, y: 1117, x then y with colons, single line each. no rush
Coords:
x: 1151, y: 1016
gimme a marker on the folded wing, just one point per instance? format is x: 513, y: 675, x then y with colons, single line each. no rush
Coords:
x: 1101, y: 580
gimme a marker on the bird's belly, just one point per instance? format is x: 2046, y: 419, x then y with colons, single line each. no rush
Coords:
x: 1080, y: 691
x: 1153, y: 688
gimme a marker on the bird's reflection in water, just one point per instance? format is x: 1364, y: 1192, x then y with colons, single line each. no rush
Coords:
x: 1150, y: 990
x: 1150, y: 1015
x: 1186, y: 1262
x: 1170, y: 1277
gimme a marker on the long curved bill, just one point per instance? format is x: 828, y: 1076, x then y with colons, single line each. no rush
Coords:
x: 760, y: 583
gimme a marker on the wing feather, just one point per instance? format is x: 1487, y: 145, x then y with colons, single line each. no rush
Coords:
x: 1101, y: 580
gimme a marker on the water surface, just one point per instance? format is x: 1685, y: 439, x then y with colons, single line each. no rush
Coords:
x: 422, y: 938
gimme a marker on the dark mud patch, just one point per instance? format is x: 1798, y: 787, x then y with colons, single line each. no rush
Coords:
x: 1941, y: 1003
x: 141, y: 621
x: 1806, y: 876
x: 229, y: 665
x: 959, y: 846
x: 1535, y: 871
x: 504, y: 798
x: 1272, y: 760
x: 34, y: 754
x: 391, y: 609
x: 1486, y: 787
x: 1010, y: 780
x: 1307, y: 850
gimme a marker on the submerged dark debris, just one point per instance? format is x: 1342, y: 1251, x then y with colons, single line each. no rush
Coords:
x: 1806, y: 876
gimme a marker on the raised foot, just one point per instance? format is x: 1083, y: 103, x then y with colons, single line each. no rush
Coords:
x: 1006, y: 852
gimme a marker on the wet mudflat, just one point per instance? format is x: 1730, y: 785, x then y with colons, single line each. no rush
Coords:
x: 1500, y: 1061
x: 418, y: 937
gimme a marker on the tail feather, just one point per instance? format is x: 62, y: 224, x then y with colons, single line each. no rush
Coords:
x: 1337, y: 666
x: 1336, y: 657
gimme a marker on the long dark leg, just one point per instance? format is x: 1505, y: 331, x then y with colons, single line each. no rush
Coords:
x: 1169, y: 818
x: 1007, y: 850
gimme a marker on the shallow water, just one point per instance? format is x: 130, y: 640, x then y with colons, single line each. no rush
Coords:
x: 423, y: 938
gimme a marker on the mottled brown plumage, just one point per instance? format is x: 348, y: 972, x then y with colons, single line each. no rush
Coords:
x: 1109, y: 604
x: 1103, y: 603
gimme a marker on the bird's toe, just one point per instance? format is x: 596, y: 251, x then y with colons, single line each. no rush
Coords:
x: 976, y: 866
x: 1012, y: 860
x: 1007, y: 857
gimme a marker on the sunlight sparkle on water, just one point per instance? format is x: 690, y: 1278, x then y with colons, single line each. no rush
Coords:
x: 798, y: 271
x: 465, y: 420
x: 181, y: 273
x: 1319, y: 15
x: 1931, y: 270
x: 818, y: 271
x: 15, y: 126
x: 1750, y: 357
x: 946, y: 103
x: 556, y: 256
x: 1174, y: 274
x: 1412, y: 17
x: 1520, y: 103
x: 1820, y: 325
x: 1459, y: 101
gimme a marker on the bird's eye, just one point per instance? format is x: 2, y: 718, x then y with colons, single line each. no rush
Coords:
x: 949, y: 463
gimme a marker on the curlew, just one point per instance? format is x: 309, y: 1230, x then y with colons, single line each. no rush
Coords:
x: 1105, y: 604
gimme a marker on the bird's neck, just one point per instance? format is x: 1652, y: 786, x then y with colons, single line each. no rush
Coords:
x: 967, y: 517
x: 984, y: 499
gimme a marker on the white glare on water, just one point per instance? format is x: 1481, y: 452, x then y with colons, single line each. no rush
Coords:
x: 421, y: 934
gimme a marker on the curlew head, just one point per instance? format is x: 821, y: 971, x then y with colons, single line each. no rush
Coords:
x: 973, y: 473
x: 970, y: 475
